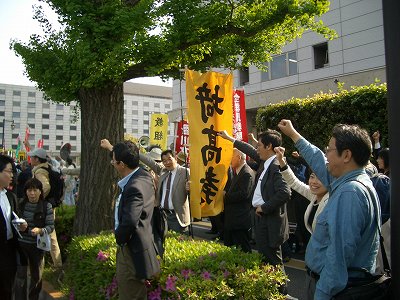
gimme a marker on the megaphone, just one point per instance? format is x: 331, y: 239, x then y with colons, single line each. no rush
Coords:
x: 65, y: 151
x: 144, y: 141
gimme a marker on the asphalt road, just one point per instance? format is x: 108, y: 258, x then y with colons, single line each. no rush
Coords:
x: 294, y: 268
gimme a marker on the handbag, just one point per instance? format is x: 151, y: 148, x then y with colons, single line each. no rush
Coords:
x: 43, y: 241
x: 371, y: 287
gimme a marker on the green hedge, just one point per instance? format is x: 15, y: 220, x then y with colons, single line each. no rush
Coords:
x: 314, y: 117
x: 64, y: 223
x: 192, y: 269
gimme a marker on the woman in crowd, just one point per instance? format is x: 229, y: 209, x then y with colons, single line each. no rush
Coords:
x: 38, y: 213
x: 383, y: 161
x: 315, y: 191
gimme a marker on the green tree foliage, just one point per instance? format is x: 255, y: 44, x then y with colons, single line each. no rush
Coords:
x: 314, y: 117
x: 102, y: 44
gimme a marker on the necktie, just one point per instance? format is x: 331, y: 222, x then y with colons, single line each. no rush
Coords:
x: 166, y: 198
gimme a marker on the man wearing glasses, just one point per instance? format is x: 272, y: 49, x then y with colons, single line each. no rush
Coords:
x: 136, y: 254
x: 346, y: 233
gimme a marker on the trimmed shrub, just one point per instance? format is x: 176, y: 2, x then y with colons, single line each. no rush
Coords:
x: 314, y: 117
x: 64, y: 223
x: 192, y: 269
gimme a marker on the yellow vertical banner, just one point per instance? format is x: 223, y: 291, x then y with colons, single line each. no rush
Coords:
x: 159, y: 130
x: 209, y: 102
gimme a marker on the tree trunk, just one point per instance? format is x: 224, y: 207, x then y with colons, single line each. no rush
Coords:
x: 101, y: 117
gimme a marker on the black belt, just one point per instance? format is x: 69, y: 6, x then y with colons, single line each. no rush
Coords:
x: 312, y: 274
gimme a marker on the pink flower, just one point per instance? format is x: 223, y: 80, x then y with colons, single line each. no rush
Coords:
x: 101, y: 256
x: 155, y: 295
x: 186, y: 273
x: 226, y: 273
x: 170, y: 284
x: 206, y: 275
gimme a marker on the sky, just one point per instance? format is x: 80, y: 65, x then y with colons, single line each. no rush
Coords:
x: 16, y: 22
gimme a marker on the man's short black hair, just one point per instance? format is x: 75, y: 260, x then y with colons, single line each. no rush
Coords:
x: 4, y: 160
x: 41, y: 160
x: 272, y: 137
x: 128, y: 153
x: 355, y: 139
x: 166, y: 152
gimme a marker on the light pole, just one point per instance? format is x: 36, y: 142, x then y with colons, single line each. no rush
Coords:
x: 4, y: 125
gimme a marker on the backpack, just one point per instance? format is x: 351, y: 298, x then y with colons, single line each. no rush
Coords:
x: 381, y: 184
x: 39, y: 217
x: 56, y: 187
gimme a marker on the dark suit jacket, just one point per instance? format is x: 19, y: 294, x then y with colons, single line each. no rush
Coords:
x: 237, y: 201
x: 275, y: 193
x: 135, y: 229
x: 8, y: 260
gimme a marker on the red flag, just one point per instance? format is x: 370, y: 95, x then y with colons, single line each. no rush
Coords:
x: 26, y: 143
x: 40, y: 143
x: 239, y: 116
x: 182, y: 139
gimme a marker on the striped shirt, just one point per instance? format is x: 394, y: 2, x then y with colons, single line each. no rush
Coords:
x: 28, y: 213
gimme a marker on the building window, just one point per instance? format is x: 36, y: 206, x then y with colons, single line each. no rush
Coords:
x: 45, y: 126
x: 58, y: 147
x: 32, y: 137
x: 135, y: 112
x: 2, y: 102
x: 31, y: 94
x: 135, y: 130
x: 135, y: 103
x: 31, y: 115
x: 145, y: 104
x: 14, y: 135
x: 156, y: 105
x: 16, y: 114
x: 2, y: 91
x: 281, y: 66
x: 59, y: 137
x: 46, y: 147
x: 59, y: 117
x: 135, y: 122
x: 244, y: 76
x: 16, y: 93
x: 59, y: 127
x: 1, y: 113
x: 167, y: 106
x: 72, y: 127
x: 145, y: 113
x: 16, y: 125
x: 46, y: 105
x: 145, y: 131
x: 31, y: 126
x: 45, y: 116
x: 73, y: 148
x: 31, y: 105
x: 72, y: 137
x: 16, y: 103
x: 321, y: 57
x: 14, y: 147
x: 45, y: 136
x: 146, y: 122
x: 60, y: 107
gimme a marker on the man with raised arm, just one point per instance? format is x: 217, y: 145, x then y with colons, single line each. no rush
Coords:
x: 346, y: 233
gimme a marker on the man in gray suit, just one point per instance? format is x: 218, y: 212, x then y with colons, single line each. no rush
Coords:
x: 171, y: 192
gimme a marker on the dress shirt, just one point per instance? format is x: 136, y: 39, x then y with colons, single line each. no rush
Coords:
x: 337, y: 243
x: 257, y: 197
x: 121, y: 185
x: 164, y: 189
x: 6, y: 209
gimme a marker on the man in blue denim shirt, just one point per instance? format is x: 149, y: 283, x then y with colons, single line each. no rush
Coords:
x: 346, y: 234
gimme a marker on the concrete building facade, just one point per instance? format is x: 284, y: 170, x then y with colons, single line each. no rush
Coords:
x: 312, y: 64
x: 25, y: 106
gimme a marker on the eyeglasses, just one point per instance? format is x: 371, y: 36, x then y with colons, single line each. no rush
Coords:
x: 114, y: 161
x: 329, y: 150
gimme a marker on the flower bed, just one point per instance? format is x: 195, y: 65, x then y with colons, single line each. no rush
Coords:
x: 191, y: 269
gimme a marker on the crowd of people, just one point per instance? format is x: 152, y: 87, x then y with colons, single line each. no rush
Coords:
x: 28, y: 211
x: 343, y: 215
